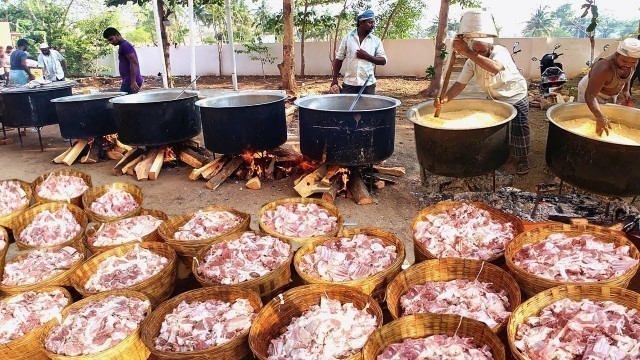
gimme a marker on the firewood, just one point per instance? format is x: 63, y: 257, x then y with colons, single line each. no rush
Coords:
x: 331, y: 195
x: 307, y: 173
x: 130, y: 166
x: 143, y: 167
x: 331, y: 172
x: 394, y: 171
x: 310, y: 184
x: 58, y: 159
x: 268, y: 173
x: 254, y: 183
x: 122, y: 146
x: 75, y: 152
x: 196, y: 173
x: 215, y: 169
x: 114, y: 155
x: 130, y: 155
x: 378, y: 184
x: 192, y: 143
x: 93, y: 150
x: 242, y: 173
x: 192, y: 158
x: 358, y: 189
x: 290, y: 110
x: 156, y: 166
x: 228, y: 169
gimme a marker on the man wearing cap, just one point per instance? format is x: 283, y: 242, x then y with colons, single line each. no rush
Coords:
x: 608, y: 78
x: 53, y: 63
x: 20, y: 74
x: 360, y: 51
x: 497, y: 74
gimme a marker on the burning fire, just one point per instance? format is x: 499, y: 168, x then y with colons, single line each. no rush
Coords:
x: 307, y: 165
x: 169, y: 155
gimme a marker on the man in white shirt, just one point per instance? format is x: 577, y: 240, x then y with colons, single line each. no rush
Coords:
x: 360, y: 51
x: 497, y: 74
x: 53, y: 63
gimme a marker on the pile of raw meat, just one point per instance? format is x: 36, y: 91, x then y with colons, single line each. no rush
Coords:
x: 124, y: 231
x: 300, y: 220
x: 39, y: 265
x: 348, y: 259
x: 114, y: 202
x: 51, y: 229
x: 464, y: 232
x: 202, y: 325
x: 330, y: 330
x: 27, y: 311
x: 97, y: 326
x: 12, y: 197
x: 61, y: 187
x: 473, y: 299
x: 585, y: 329
x: 130, y: 269
x: 248, y: 257
x: 3, y: 241
x: 574, y: 259
x: 437, y: 347
x: 207, y: 225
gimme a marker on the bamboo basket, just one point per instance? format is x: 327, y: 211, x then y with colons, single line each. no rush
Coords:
x: 8, y: 220
x: 534, y: 305
x: 158, y: 288
x: 3, y: 252
x: 77, y: 201
x: 265, y: 285
x: 93, y: 227
x: 188, y: 249
x: 62, y: 279
x: 422, y: 254
x: 237, y: 348
x: 22, y: 221
x: 452, y: 269
x: 95, y: 192
x: 296, y: 241
x: 27, y: 347
x: 532, y: 284
x: 131, y: 348
x: 277, y: 314
x: 374, y: 285
x: 424, y: 325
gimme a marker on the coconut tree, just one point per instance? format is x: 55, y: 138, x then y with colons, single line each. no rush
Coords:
x: 541, y: 24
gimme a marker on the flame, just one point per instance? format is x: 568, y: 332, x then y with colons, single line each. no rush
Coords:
x: 307, y: 165
x: 169, y: 154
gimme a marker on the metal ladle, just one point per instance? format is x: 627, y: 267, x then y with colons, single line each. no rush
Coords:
x: 359, y: 93
x: 186, y: 87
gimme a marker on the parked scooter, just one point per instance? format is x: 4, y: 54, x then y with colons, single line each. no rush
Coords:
x: 552, y: 77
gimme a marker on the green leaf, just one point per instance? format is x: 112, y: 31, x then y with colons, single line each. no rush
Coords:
x: 594, y: 11
x: 585, y: 6
x: 584, y: 14
x: 591, y: 26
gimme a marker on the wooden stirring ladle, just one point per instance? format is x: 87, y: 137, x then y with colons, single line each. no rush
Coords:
x: 447, y: 77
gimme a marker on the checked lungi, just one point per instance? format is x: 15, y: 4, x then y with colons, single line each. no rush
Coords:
x: 520, y: 133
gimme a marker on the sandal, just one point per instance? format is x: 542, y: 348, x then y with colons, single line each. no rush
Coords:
x: 523, y: 168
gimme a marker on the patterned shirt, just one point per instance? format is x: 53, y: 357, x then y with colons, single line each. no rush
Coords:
x: 356, y: 70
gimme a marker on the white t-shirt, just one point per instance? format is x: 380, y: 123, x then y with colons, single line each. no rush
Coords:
x: 53, y: 67
x: 507, y: 85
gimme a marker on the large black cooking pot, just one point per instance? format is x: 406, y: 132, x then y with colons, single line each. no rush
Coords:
x: 156, y: 117
x: 591, y: 164
x: 462, y: 152
x: 25, y: 107
x: 237, y: 122
x: 86, y: 116
x: 330, y: 132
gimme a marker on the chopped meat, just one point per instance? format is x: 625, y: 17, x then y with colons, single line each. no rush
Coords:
x: 586, y: 329
x: 113, y: 203
x: 39, y: 265
x: 473, y: 299
x: 3, y: 241
x: 436, y: 347
x: 207, y: 225
x: 348, y: 259
x: 300, y: 220
x: 124, y: 231
x: 12, y: 197
x: 61, y: 187
x: 330, y: 330
x: 248, y: 257
x: 202, y: 325
x: 27, y: 311
x: 464, y: 232
x: 97, y: 326
x: 574, y: 259
x: 118, y: 272
x: 51, y: 229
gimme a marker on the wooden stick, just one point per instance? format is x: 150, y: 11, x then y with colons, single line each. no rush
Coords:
x: 331, y: 195
x: 359, y: 189
x: 447, y: 77
x: 157, y: 165
x: 192, y: 158
x: 212, y: 171
x: 196, y: 173
x: 393, y: 171
x: 75, y: 152
x: 58, y: 159
x: 128, y: 169
x: 268, y: 173
x: 254, y: 183
x: 143, y: 167
x: 228, y: 169
x: 310, y: 184
x: 130, y: 155
x: 331, y: 173
x: 114, y: 155
x: 87, y: 159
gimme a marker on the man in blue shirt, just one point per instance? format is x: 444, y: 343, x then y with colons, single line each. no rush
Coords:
x: 20, y: 74
x: 128, y: 64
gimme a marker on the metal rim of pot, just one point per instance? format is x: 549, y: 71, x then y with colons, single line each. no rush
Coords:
x: 46, y: 87
x: 153, y: 97
x: 303, y: 102
x: 413, y: 115
x: 209, y: 102
x: 88, y: 97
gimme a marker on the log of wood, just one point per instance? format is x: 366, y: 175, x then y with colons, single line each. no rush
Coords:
x: 358, y: 189
x: 130, y: 155
x: 143, y: 167
x: 394, y: 171
x: 378, y: 184
x: 114, y: 155
x: 130, y: 166
x: 192, y: 143
x: 91, y: 156
x: 331, y: 173
x: 58, y: 159
x: 71, y: 157
x: 212, y: 171
x: 242, y: 173
x: 228, y: 169
x: 156, y: 166
x: 291, y: 110
x: 192, y: 158
x: 254, y: 183
x: 271, y: 168
x: 120, y: 145
x: 196, y: 173
x: 310, y: 184
x: 331, y: 195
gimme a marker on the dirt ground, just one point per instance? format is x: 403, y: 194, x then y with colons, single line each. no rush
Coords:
x: 394, y: 206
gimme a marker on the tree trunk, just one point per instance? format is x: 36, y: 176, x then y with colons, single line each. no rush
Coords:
x: 438, y: 63
x: 332, y: 55
x: 287, y: 67
x: 219, y: 59
x: 592, y: 41
x: 389, y: 19
x: 303, y: 36
x: 164, y: 15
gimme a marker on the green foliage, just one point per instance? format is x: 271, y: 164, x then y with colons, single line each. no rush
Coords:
x: 319, y: 26
x: 258, y: 51
x: 541, y: 24
x: 443, y: 52
x: 400, y: 18
x: 83, y: 43
x: 430, y: 73
x: 213, y: 16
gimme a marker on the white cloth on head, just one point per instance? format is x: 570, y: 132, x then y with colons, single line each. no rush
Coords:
x: 486, y: 40
x: 356, y: 70
x: 629, y: 47
x: 52, y: 65
x: 44, y: 45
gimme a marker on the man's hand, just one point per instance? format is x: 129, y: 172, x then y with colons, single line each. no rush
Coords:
x: 31, y: 76
x: 334, y: 88
x: 439, y: 104
x: 361, y: 54
x: 626, y: 97
x: 134, y: 86
x: 602, y: 125
x: 461, y: 47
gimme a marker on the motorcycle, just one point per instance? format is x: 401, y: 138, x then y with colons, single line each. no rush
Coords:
x: 552, y: 77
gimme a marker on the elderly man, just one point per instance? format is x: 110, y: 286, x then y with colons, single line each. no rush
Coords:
x: 362, y: 51
x: 20, y: 73
x: 53, y: 63
x: 608, y: 78
x: 129, y: 66
x: 497, y: 74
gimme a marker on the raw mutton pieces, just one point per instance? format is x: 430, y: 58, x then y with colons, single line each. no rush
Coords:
x: 436, y: 347
x: 124, y: 231
x: 28, y: 311
x: 12, y: 197
x: 61, y: 187
x: 300, y: 220
x: 51, y: 229
x: 464, y: 232
x: 194, y: 326
x: 207, y: 225
x: 248, y: 257
x: 113, y: 203
x: 39, y: 265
